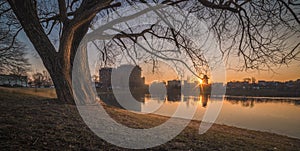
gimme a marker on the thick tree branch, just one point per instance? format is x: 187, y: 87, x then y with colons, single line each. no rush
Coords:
x: 218, y: 6
x: 89, y: 9
x: 33, y: 29
x: 62, y: 10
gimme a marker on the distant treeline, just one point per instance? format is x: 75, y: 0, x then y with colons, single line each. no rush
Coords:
x: 264, y: 92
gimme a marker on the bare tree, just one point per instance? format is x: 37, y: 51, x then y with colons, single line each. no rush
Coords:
x: 47, y: 81
x: 38, y: 79
x: 12, y: 54
x: 254, y: 30
x: 261, y: 33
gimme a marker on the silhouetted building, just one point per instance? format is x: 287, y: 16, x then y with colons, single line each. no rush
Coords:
x: 174, y: 90
x: 135, y: 79
x: 121, y: 75
x: 134, y: 73
x: 173, y: 87
x: 174, y: 84
x: 158, y: 89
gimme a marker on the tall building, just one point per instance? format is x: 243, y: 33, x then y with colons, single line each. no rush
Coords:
x: 120, y: 77
x: 174, y: 84
x: 174, y: 90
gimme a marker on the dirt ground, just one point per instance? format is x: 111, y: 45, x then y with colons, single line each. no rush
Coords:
x: 30, y: 122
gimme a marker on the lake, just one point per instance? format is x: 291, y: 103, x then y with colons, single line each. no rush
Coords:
x: 271, y: 114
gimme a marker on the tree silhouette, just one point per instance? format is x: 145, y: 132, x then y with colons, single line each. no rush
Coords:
x: 256, y: 31
x: 12, y: 54
x: 38, y: 79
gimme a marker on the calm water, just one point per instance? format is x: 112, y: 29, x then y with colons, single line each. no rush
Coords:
x: 276, y: 115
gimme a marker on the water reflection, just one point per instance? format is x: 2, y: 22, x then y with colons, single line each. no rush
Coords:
x: 250, y: 101
x: 277, y: 115
x: 110, y: 99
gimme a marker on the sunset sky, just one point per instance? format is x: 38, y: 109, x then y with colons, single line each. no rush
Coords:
x: 282, y: 73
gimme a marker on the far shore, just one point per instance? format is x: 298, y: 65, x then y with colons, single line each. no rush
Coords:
x: 50, y: 92
x: 37, y: 122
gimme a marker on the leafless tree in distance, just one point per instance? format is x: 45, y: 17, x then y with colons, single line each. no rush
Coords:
x: 12, y: 54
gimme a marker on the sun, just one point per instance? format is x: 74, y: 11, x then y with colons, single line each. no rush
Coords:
x: 200, y: 81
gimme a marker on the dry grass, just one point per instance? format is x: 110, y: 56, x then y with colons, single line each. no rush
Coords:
x: 31, y: 122
x: 42, y: 92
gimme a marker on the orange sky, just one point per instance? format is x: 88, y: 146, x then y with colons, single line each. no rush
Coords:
x: 163, y: 73
x: 284, y: 73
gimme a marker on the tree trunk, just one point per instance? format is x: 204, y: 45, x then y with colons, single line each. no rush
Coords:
x: 63, y: 86
x: 63, y: 70
x: 59, y: 64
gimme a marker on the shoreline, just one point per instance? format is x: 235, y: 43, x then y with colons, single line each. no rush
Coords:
x: 264, y: 92
x: 33, y: 122
x: 50, y: 92
x: 264, y: 97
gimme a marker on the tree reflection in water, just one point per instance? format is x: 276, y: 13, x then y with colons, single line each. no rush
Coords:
x: 110, y: 99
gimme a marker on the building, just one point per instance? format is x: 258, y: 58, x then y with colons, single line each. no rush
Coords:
x: 120, y: 77
x: 158, y: 89
x: 135, y: 76
x: 174, y: 84
x: 173, y: 89
x: 13, y: 80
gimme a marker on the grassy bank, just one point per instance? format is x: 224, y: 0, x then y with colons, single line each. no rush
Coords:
x: 30, y: 122
x: 42, y: 92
